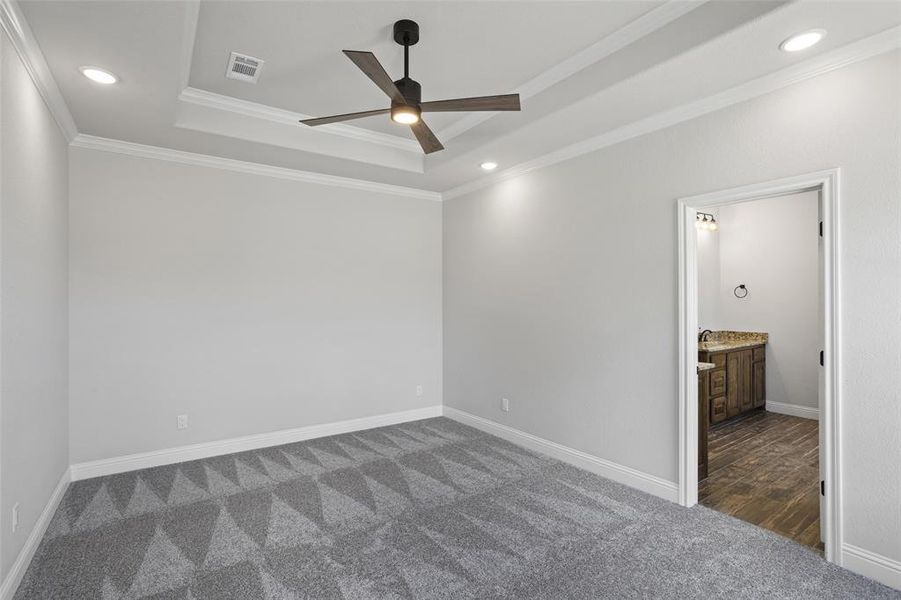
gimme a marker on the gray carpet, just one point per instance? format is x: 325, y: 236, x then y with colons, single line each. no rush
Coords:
x: 430, y: 509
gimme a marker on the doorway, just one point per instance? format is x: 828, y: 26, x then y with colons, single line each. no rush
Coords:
x: 692, y: 434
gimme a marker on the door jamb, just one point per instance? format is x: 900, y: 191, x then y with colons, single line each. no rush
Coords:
x: 827, y: 182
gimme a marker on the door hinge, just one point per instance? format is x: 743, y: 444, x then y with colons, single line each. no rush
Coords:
x: 822, y: 488
x: 821, y: 229
x: 822, y: 359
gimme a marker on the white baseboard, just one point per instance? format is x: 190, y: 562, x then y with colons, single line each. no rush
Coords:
x: 17, y: 571
x: 795, y: 410
x: 657, y: 486
x: 168, y: 456
x: 869, y: 564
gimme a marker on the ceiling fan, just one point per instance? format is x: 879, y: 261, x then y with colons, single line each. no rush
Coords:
x: 406, y: 94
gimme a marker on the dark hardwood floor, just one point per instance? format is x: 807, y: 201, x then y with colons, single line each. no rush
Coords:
x: 763, y: 469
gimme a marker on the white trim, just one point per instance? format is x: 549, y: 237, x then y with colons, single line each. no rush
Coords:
x: 287, y: 117
x: 17, y: 571
x: 216, y: 162
x: 819, y: 65
x: 192, y: 17
x: 168, y: 456
x: 19, y: 32
x: 880, y: 568
x: 828, y: 184
x: 639, y: 480
x: 794, y: 410
x: 642, y: 26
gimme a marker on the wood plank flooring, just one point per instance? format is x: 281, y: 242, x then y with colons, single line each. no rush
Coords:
x: 763, y: 469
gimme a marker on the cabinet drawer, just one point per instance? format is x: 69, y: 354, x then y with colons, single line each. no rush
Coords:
x: 759, y: 353
x: 719, y: 360
x: 717, y: 383
x: 718, y: 409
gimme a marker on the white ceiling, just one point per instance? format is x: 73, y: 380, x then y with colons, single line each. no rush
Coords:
x: 465, y: 49
x: 583, y: 69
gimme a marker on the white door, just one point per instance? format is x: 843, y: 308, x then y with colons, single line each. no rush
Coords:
x: 821, y: 373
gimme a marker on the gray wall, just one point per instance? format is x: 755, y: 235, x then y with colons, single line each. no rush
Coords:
x: 770, y: 245
x: 561, y: 284
x: 250, y: 303
x: 33, y: 303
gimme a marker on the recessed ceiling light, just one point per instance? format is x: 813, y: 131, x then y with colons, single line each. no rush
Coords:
x: 489, y: 165
x: 802, y: 41
x: 98, y: 75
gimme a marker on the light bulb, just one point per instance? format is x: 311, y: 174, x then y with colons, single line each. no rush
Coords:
x: 802, y: 41
x: 98, y: 75
x: 405, y: 114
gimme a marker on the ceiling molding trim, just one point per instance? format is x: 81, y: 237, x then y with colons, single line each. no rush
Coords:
x: 874, y: 45
x: 278, y: 115
x: 192, y: 17
x: 619, y: 39
x: 19, y: 32
x: 91, y: 142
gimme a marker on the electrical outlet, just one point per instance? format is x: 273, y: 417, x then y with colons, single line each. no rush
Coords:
x: 182, y: 421
x: 505, y: 404
x: 419, y: 390
x: 15, y: 516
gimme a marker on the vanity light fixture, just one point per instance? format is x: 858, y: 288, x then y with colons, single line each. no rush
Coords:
x: 98, y: 75
x: 489, y: 165
x: 706, y: 221
x: 803, y: 40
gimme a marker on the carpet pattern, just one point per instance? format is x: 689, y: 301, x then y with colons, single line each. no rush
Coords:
x: 430, y: 509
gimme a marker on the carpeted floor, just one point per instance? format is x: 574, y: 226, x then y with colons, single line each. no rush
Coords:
x: 430, y: 509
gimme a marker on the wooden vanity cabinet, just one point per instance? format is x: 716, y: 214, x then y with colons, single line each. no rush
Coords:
x: 703, y: 411
x: 737, y: 384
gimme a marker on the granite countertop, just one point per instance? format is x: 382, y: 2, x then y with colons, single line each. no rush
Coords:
x: 720, y: 341
x: 705, y: 366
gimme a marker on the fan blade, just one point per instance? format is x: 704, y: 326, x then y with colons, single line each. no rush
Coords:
x: 370, y: 65
x: 426, y: 138
x: 505, y: 102
x: 346, y: 117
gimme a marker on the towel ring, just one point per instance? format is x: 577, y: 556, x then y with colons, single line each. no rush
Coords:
x: 740, y: 291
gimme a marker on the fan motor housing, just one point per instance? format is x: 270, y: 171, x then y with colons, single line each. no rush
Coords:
x: 410, y: 89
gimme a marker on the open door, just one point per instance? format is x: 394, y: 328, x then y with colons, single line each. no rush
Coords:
x: 821, y: 372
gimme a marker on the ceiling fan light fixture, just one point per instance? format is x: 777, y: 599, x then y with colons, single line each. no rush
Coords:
x: 405, y: 114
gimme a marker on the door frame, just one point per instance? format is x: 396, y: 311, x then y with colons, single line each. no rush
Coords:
x: 827, y: 183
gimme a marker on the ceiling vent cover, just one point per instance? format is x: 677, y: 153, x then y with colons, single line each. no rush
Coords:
x: 243, y: 67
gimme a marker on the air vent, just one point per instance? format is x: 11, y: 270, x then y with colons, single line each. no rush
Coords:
x: 243, y: 67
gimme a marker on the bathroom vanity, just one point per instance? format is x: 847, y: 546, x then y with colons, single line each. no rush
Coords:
x: 731, y: 381
x: 737, y: 382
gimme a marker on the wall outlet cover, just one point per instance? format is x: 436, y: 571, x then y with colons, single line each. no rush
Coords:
x: 419, y: 390
x: 182, y: 421
x: 505, y: 404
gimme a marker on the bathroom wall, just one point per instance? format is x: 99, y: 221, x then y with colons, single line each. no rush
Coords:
x: 771, y: 246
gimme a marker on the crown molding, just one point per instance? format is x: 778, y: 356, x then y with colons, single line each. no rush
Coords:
x: 204, y: 160
x: 261, y: 111
x: 13, y: 23
x: 189, y: 36
x: 882, y: 42
x: 633, y: 31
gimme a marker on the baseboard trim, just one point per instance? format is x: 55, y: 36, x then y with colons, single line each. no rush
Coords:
x: 668, y: 490
x: 17, y: 571
x: 795, y: 410
x: 168, y: 456
x: 869, y: 564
